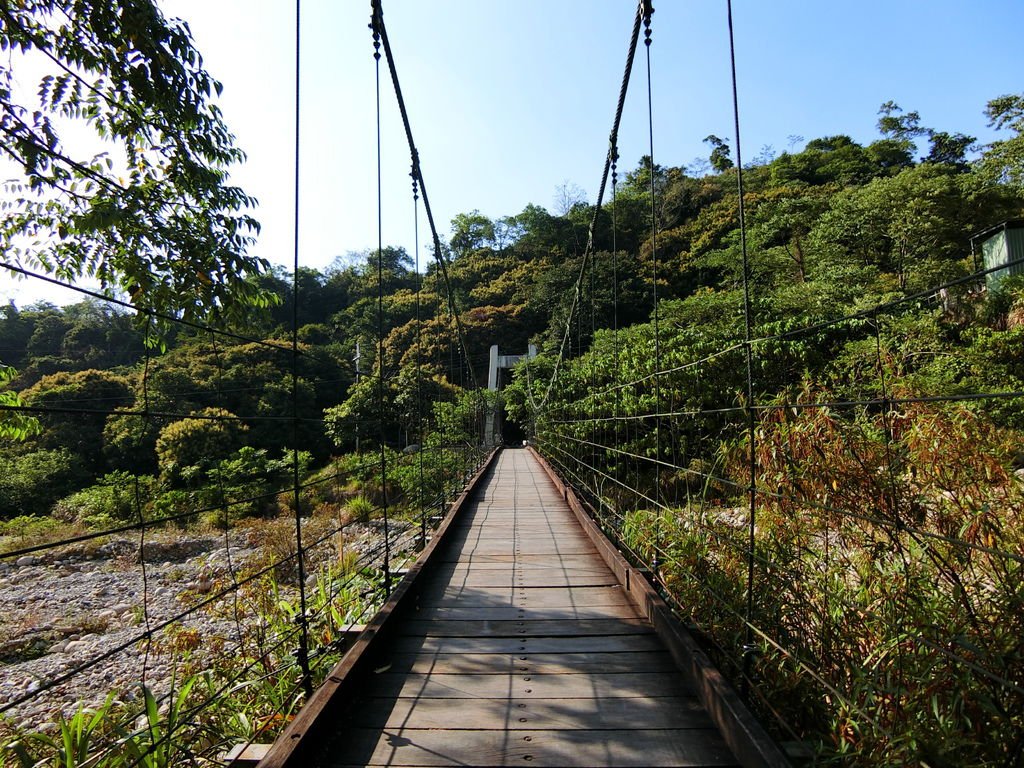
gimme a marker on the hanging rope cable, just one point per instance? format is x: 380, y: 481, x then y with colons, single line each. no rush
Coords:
x: 615, y: 297
x: 749, y: 650
x: 648, y: 10
x: 302, y: 619
x: 380, y: 31
x: 613, y: 141
x: 381, y: 399
x: 419, y: 356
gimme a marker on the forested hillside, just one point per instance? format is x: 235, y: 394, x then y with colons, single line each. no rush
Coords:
x: 868, y: 245
x: 835, y: 228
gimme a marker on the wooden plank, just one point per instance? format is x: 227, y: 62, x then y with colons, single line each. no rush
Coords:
x: 528, y: 579
x: 534, y: 663
x: 524, y: 530
x: 542, y: 748
x: 537, y: 598
x: 582, y: 686
x: 542, y: 563
x: 553, y: 548
x: 741, y: 730
x: 527, y: 644
x: 471, y: 612
x: 532, y: 627
x: 533, y: 714
x: 511, y: 557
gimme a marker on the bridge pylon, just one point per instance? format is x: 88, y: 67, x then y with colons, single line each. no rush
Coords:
x: 495, y: 383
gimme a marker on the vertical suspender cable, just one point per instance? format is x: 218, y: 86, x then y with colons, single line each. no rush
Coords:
x: 592, y: 414
x: 375, y: 26
x: 145, y: 418
x: 419, y: 356
x: 612, y: 144
x: 748, y: 647
x: 303, y: 653
x: 615, y: 308
x: 615, y: 261
x: 648, y: 11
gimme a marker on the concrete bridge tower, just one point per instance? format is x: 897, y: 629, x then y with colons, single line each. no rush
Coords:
x: 495, y: 383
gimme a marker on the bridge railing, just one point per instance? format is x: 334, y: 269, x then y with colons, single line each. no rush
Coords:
x: 207, y: 571
x: 849, y: 551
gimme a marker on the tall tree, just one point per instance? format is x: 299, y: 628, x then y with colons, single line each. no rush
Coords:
x: 721, y: 158
x: 949, y: 148
x: 1004, y: 159
x: 152, y: 212
x: 471, y: 231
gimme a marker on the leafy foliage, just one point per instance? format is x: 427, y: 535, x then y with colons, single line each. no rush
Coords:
x: 884, y: 510
x: 152, y: 213
x: 14, y: 424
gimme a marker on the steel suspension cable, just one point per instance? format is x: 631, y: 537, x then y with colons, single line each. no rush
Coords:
x: 419, y: 357
x: 380, y: 31
x: 380, y: 312
x: 748, y: 648
x: 303, y: 651
x: 612, y: 154
x: 648, y: 12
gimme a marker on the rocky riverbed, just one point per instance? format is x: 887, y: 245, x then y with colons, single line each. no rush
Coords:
x: 69, y: 607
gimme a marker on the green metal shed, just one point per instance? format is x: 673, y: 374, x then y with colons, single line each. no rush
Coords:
x: 1001, y: 245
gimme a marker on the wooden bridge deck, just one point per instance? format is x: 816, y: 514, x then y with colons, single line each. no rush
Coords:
x: 523, y: 650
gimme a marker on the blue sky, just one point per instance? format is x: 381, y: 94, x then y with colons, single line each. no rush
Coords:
x: 510, y: 100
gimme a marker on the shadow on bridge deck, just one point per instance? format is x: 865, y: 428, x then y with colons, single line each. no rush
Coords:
x: 520, y: 648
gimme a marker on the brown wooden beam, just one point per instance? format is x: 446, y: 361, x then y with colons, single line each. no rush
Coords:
x: 743, y: 733
x: 294, y: 746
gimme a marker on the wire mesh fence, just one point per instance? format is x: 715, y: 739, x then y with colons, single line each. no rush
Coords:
x: 847, y: 549
x: 211, y: 560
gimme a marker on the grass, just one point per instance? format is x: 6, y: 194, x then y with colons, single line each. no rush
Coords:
x: 212, y: 706
x: 888, y: 602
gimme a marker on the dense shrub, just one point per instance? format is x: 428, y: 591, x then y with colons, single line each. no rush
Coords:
x: 117, y: 498
x: 31, y: 482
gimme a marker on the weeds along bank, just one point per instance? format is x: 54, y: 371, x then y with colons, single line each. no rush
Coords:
x: 178, y: 642
x: 887, y: 608
x: 849, y: 544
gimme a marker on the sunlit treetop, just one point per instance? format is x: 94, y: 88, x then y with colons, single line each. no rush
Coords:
x: 142, y: 204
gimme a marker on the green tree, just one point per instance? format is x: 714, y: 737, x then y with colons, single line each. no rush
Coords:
x: 949, y: 148
x: 15, y: 424
x: 721, y: 155
x: 1004, y: 159
x: 31, y: 482
x: 189, y: 447
x: 74, y: 409
x: 153, y: 214
x: 898, y: 125
x: 15, y: 330
x: 471, y: 231
x: 913, y: 226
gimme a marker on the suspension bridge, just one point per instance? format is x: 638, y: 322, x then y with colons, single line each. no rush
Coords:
x: 523, y: 636
x: 690, y: 564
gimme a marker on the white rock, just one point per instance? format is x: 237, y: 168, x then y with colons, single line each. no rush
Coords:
x: 27, y: 560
